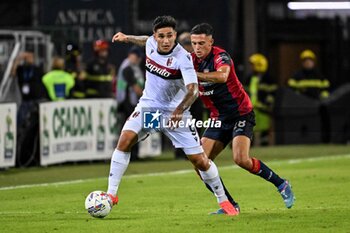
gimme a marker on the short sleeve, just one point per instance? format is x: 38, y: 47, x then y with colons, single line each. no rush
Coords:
x: 151, y: 44
x: 149, y: 40
x: 222, y: 59
x: 187, y: 70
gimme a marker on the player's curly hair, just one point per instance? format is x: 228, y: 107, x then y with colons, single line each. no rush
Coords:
x: 164, y: 21
x: 202, y: 28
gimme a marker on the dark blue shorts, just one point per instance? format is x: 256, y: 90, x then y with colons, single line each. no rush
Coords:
x: 242, y: 125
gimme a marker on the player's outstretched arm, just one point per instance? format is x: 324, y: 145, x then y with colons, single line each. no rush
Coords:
x: 190, y: 97
x: 122, y: 38
x: 219, y: 76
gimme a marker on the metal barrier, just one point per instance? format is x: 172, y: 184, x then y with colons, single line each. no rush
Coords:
x: 5, y: 82
x: 12, y: 43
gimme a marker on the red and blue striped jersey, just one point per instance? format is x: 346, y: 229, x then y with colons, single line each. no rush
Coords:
x: 224, y: 100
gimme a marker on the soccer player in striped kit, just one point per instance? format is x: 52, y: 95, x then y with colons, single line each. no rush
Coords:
x: 223, y: 94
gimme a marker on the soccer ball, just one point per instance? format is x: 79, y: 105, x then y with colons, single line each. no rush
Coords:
x: 98, y: 204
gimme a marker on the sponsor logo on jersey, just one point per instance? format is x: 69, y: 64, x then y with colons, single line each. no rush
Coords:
x: 161, y: 71
x: 154, y: 69
x: 206, y: 93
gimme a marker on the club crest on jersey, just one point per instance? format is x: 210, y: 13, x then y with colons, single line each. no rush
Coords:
x: 169, y: 61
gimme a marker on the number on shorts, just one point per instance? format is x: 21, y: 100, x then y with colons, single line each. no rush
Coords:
x: 240, y: 124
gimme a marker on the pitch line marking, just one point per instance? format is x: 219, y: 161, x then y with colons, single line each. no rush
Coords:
x: 83, y: 212
x: 185, y: 171
x: 40, y: 212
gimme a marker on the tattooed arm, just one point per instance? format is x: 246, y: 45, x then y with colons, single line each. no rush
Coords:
x: 190, y: 97
x: 138, y: 40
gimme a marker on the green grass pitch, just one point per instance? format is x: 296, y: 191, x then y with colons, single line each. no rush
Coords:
x: 156, y: 198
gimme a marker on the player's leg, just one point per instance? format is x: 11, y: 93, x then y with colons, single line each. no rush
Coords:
x: 212, y: 148
x: 210, y: 175
x: 188, y: 140
x: 121, y: 155
x: 120, y: 160
x: 242, y: 134
x: 240, y: 148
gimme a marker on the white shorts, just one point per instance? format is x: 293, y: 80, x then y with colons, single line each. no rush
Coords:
x: 186, y: 138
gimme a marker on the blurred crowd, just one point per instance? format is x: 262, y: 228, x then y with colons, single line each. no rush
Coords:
x: 98, y: 78
x: 261, y: 87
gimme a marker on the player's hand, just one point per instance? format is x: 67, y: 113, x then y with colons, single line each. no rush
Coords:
x: 175, y: 117
x: 120, y: 37
x: 200, y: 76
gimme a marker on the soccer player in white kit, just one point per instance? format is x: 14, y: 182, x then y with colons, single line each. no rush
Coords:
x: 171, y: 87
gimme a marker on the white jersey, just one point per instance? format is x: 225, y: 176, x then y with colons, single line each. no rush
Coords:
x: 166, y: 76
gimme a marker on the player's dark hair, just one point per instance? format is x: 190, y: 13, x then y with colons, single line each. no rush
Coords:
x: 202, y: 28
x: 163, y: 22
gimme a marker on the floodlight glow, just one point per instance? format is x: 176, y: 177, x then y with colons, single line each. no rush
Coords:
x: 319, y: 5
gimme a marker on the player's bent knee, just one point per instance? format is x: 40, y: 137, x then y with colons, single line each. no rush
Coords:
x: 200, y: 161
x: 126, y: 140
x: 203, y: 140
x: 202, y: 166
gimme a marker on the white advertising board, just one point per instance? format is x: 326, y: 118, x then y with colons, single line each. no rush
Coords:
x: 75, y: 130
x: 8, y: 129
